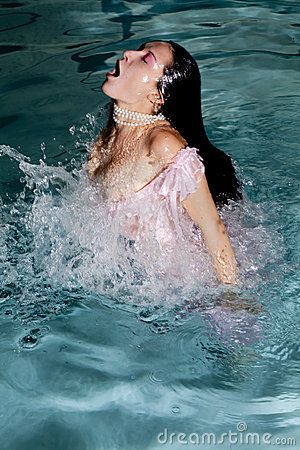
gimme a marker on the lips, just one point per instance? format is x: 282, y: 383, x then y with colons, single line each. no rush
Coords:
x: 116, y: 71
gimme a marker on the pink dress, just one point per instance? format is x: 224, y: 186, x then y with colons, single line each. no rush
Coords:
x: 159, y: 225
x: 169, y: 246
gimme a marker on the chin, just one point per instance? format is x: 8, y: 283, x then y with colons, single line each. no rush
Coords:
x: 105, y: 89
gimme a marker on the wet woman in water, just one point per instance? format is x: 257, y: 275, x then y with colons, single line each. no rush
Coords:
x: 155, y: 164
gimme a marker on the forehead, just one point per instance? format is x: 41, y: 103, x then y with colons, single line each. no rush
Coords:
x: 162, y: 51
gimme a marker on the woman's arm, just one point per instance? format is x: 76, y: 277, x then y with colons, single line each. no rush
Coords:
x: 201, y: 208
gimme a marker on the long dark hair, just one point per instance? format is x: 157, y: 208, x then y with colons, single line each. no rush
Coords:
x: 180, y: 87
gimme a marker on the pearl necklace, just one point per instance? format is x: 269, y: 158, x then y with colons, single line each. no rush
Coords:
x: 141, y: 118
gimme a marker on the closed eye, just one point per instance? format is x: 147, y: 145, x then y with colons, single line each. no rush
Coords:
x: 145, y: 56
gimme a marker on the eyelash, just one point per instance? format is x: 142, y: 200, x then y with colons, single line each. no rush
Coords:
x: 147, y: 54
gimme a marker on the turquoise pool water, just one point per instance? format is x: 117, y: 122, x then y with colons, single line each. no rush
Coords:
x: 89, y: 359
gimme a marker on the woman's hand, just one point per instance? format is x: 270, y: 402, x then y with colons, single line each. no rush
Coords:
x: 201, y: 208
x: 234, y: 302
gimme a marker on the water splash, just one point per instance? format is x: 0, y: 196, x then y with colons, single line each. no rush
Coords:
x: 56, y: 237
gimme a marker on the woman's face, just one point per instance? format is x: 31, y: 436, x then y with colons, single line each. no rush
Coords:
x: 133, y: 81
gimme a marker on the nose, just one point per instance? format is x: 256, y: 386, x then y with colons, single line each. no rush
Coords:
x: 129, y: 54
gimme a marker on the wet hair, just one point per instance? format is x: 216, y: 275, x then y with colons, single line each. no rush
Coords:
x: 180, y: 87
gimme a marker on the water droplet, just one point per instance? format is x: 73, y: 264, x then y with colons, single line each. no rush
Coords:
x: 28, y: 341
x: 158, y: 376
x: 31, y: 339
x: 63, y: 347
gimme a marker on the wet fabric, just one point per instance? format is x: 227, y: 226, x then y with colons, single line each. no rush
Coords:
x: 157, y: 206
x: 157, y: 221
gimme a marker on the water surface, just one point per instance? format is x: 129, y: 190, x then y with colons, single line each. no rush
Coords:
x: 88, y: 359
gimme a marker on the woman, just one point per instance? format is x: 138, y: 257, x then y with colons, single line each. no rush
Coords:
x: 154, y: 160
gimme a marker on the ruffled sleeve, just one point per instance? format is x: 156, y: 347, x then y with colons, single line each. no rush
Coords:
x: 182, y: 175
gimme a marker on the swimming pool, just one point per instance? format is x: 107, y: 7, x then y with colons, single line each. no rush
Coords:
x: 84, y: 370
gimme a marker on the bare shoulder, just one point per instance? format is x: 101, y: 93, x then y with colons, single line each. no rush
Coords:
x: 164, y: 143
